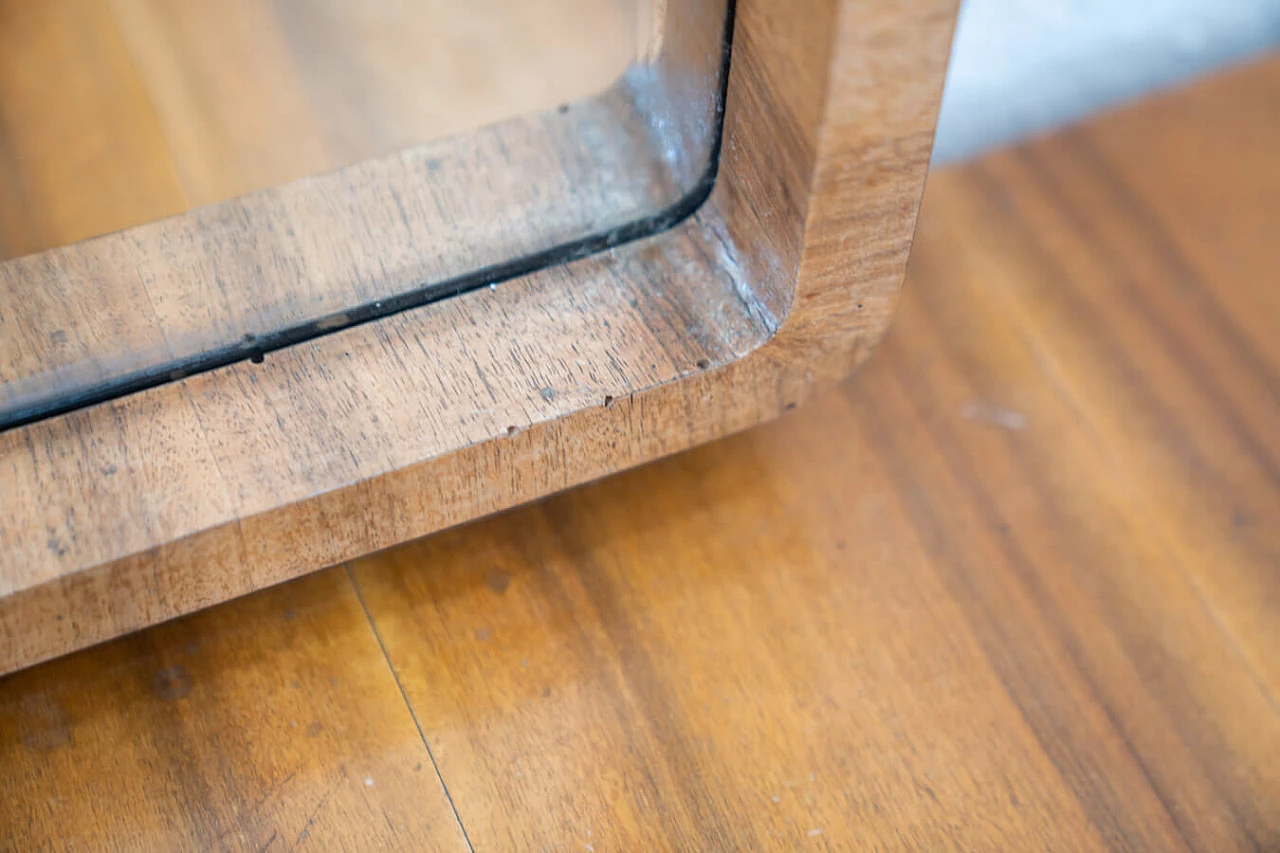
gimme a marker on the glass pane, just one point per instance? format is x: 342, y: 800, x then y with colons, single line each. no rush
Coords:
x: 488, y: 138
x: 119, y: 112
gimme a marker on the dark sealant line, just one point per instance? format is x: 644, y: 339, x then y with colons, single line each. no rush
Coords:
x: 254, y: 349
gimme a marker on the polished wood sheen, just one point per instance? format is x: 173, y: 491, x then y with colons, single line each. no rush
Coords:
x: 1011, y: 587
x: 124, y: 514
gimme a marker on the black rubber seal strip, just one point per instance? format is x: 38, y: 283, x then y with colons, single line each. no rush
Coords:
x: 255, y: 349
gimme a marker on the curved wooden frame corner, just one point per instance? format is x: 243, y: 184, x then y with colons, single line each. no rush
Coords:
x: 141, y: 509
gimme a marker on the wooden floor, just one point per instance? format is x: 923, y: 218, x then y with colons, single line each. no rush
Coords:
x: 1014, y: 586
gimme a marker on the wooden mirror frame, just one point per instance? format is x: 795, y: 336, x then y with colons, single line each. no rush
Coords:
x: 235, y: 280
x: 146, y: 507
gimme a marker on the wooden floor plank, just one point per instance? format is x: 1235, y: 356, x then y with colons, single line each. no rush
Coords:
x: 738, y: 649
x: 259, y: 724
x: 1151, y: 345
x: 1048, y: 549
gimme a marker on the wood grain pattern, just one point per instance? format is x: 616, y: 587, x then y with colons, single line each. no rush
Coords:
x: 948, y: 605
x: 246, y: 476
x: 263, y: 726
x: 1201, y: 374
x: 228, y: 276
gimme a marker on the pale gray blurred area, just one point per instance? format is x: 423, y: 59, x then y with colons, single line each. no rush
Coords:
x: 1021, y: 67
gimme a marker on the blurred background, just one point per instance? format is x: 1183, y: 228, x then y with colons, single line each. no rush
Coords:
x: 165, y: 105
x: 1022, y: 67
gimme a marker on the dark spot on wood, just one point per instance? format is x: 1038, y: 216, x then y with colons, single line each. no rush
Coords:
x: 562, y: 109
x: 703, y: 364
x: 43, y: 724
x: 257, y: 358
x: 57, y: 336
x: 315, y: 728
x: 841, y: 545
x: 859, y: 306
x: 788, y: 407
x: 498, y: 580
x: 417, y: 767
x: 511, y: 430
x: 609, y: 401
x: 172, y: 683
x: 548, y: 394
x: 109, y: 470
